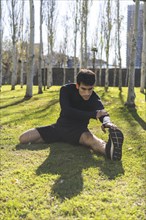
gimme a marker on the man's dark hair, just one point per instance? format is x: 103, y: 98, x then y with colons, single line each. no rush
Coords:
x: 86, y: 77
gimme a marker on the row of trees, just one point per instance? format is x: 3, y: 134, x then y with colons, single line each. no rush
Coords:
x: 75, y: 24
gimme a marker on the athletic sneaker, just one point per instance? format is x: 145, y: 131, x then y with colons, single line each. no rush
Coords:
x: 114, y: 144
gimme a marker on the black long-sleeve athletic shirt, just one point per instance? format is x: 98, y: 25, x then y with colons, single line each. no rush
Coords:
x: 75, y: 111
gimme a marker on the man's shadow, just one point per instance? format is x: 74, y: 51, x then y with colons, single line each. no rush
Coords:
x: 68, y: 161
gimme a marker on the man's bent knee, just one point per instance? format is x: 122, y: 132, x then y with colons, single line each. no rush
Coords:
x: 23, y: 139
x: 31, y: 135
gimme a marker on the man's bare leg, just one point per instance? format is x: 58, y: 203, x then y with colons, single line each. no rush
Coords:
x: 30, y: 136
x: 89, y: 139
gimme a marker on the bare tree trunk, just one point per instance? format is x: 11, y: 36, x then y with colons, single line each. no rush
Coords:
x: 75, y: 39
x: 127, y: 76
x: 81, y: 48
x: 107, y: 75
x: 40, y: 91
x: 0, y: 45
x: 115, y: 58
x: 101, y: 51
x: 119, y: 45
x: 30, y: 72
x: 75, y: 61
x: 22, y: 46
x: 65, y: 48
x: 131, y: 94
x: 64, y: 59
x: 51, y: 17
x: 64, y: 71
x: 85, y: 33
x: 143, y: 65
x: 101, y: 42
x: 49, y: 69
x: 14, y: 72
x: 115, y: 73
x: 100, y: 74
x: 21, y: 73
x: 14, y: 55
x: 14, y: 7
x: 84, y: 24
x: 107, y: 37
x: 120, y: 75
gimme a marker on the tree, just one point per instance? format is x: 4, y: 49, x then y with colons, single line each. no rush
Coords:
x: 131, y: 94
x: 100, y: 38
x: 76, y: 28
x: 30, y: 72
x: 65, y: 46
x: 107, y: 37
x: 40, y: 51
x: 84, y: 25
x: 7, y: 60
x: 0, y: 45
x: 119, y: 45
x: 143, y: 65
x: 50, y: 19
x: 101, y: 45
x: 22, y: 48
x: 14, y: 7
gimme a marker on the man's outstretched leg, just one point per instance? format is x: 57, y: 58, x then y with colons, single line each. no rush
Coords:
x: 30, y: 136
x: 112, y: 149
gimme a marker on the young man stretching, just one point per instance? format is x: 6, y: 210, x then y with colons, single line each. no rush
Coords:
x: 79, y: 103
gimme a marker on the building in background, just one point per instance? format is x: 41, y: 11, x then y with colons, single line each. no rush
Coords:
x: 130, y: 26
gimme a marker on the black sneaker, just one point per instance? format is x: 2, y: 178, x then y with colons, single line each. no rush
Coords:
x: 114, y: 144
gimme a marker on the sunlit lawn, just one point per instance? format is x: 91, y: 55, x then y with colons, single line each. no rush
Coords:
x: 60, y: 181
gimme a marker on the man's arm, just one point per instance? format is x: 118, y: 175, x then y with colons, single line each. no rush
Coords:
x: 105, y: 119
x: 71, y: 112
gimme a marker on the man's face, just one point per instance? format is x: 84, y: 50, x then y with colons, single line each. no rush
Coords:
x: 85, y: 91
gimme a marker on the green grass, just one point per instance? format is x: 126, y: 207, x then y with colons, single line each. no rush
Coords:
x: 60, y: 181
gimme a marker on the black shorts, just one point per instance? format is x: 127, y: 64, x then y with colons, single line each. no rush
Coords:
x: 54, y: 133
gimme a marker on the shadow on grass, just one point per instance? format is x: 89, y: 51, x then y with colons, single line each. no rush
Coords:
x: 135, y: 115
x: 33, y: 114
x: 112, y: 169
x: 133, y: 112
x: 14, y: 103
x: 34, y: 98
x: 68, y: 162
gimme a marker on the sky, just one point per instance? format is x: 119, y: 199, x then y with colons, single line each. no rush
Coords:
x: 94, y: 11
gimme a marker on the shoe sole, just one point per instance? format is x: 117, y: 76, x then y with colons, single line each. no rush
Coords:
x: 117, y: 139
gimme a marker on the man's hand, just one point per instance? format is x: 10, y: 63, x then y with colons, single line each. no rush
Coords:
x: 108, y: 125
x: 100, y: 113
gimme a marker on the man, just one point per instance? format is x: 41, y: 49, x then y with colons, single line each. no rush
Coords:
x: 79, y: 103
